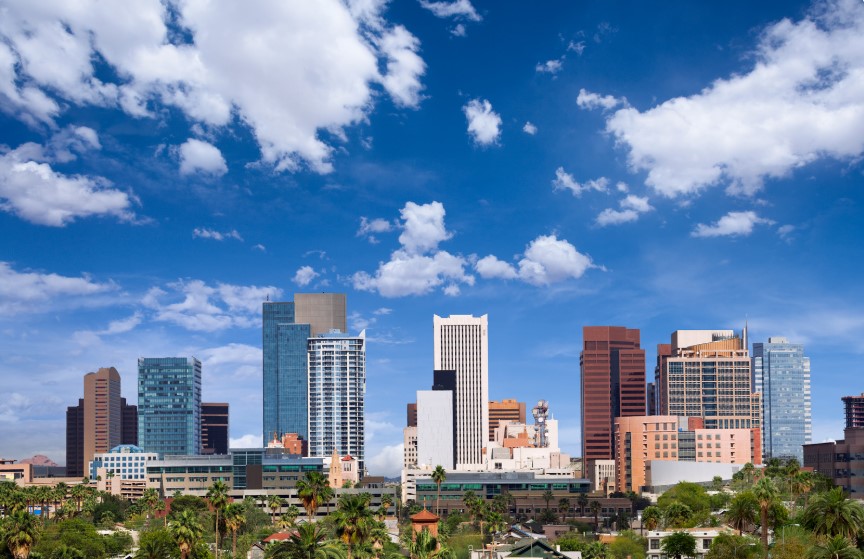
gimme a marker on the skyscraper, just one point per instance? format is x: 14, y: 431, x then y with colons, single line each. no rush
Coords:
x: 781, y: 373
x: 129, y: 414
x: 102, y: 412
x: 214, y: 428
x: 286, y: 328
x: 337, y: 391
x: 854, y: 407
x: 505, y: 410
x: 169, y: 405
x: 462, y: 345
x: 75, y: 440
x: 613, y: 385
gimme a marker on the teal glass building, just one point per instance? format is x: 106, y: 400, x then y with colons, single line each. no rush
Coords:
x: 169, y: 405
x: 781, y: 373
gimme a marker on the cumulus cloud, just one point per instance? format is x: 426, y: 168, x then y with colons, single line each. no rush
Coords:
x: 546, y: 260
x: 565, y: 181
x: 197, y: 306
x: 35, y: 191
x: 120, y: 326
x: 529, y: 129
x: 576, y: 46
x: 205, y: 233
x: 387, y: 461
x: 588, y: 100
x: 197, y: 156
x: 460, y: 9
x: 550, y: 66
x: 733, y: 224
x: 369, y: 228
x: 246, y: 441
x: 28, y: 291
x: 802, y: 100
x: 418, y: 266
x: 484, y: 124
x: 631, y: 207
x: 313, y: 66
x: 305, y: 275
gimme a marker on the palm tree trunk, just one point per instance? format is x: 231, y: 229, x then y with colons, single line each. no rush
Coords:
x: 234, y: 545
x: 764, y: 518
x: 217, y: 533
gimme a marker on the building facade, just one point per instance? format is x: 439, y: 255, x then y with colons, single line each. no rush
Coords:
x: 435, y: 429
x: 842, y: 461
x: 461, y: 344
x: 781, y: 373
x: 169, y: 405
x: 75, y: 440
x: 214, y: 428
x: 102, y: 412
x: 613, y: 385
x: 125, y: 462
x: 336, y: 395
x: 505, y: 410
x: 286, y: 329
x: 854, y: 408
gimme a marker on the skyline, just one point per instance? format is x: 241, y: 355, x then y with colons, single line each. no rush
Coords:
x: 655, y: 167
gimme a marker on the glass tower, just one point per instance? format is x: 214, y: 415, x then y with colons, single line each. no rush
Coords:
x: 782, y: 373
x: 169, y: 405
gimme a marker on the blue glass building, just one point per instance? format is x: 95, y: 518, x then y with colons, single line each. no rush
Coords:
x: 169, y: 405
x: 781, y: 373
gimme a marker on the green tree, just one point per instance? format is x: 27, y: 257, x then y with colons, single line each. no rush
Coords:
x: 677, y: 515
x: 155, y: 544
x: 595, y: 510
x: 717, y: 483
x: 563, y: 506
x: 312, y: 489
x: 678, y: 545
x: 20, y: 532
x: 731, y: 546
x: 792, y: 542
x: 217, y: 494
x: 274, y: 503
x: 425, y: 546
x: 742, y: 512
x: 686, y: 493
x: 187, y: 532
x: 308, y: 542
x: 353, y: 521
x: 628, y: 544
x: 235, y: 518
x: 832, y: 514
x: 766, y: 495
x: 439, y: 475
x: 63, y: 551
x: 582, y: 499
x: 835, y: 547
x: 651, y: 517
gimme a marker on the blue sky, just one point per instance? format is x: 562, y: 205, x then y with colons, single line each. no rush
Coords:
x: 660, y: 166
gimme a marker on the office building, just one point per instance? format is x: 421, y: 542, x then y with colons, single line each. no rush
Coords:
x: 75, y: 440
x: 650, y: 399
x: 461, y: 344
x: 781, y: 373
x: 854, y: 407
x: 613, y: 385
x: 435, y: 429
x: 169, y: 405
x: 336, y: 395
x: 128, y: 423
x: 505, y: 410
x: 661, y: 405
x: 286, y: 329
x: 411, y: 415
x: 841, y: 461
x: 409, y: 447
x: 125, y: 462
x: 708, y: 375
x: 214, y: 428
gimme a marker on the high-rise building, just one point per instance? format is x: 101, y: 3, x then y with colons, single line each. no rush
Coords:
x: 854, y: 406
x: 411, y: 415
x: 287, y: 327
x: 102, y: 412
x: 461, y: 344
x: 129, y: 423
x: 337, y: 390
x: 781, y: 373
x: 505, y: 410
x: 214, y: 428
x: 613, y: 385
x: 169, y: 405
x: 650, y: 399
x: 708, y: 376
x: 75, y: 440
x: 435, y: 428
x: 664, y: 351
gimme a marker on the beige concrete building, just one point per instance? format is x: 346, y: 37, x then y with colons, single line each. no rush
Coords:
x: 102, y: 412
x: 409, y: 452
x: 505, y: 410
x: 322, y: 311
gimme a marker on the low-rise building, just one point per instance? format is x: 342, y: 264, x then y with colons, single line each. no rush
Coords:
x: 703, y: 536
x: 842, y: 460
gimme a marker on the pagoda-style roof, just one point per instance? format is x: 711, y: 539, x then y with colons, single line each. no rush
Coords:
x: 424, y: 516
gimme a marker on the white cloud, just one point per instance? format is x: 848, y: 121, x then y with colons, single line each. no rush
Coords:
x: 387, y: 461
x: 550, y: 66
x: 565, y: 181
x: 34, y: 191
x: 529, y: 128
x: 231, y: 354
x: 120, y: 326
x: 588, y: 100
x: 260, y: 247
x: 26, y: 291
x: 785, y: 232
x: 383, y: 311
x: 732, y: 224
x: 484, y: 124
x: 576, y: 46
x: 457, y: 8
x: 802, y: 100
x: 200, y: 307
x: 423, y: 227
x: 459, y: 30
x: 547, y: 260
x: 205, y: 233
x: 631, y: 207
x: 313, y: 66
x: 246, y: 441
x: 369, y: 228
x: 305, y: 275
x: 197, y: 156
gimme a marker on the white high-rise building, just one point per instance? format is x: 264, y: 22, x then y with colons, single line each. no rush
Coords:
x: 336, y: 395
x: 435, y: 428
x: 462, y: 345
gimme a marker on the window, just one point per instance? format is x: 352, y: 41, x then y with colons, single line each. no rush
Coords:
x: 706, y: 543
x: 655, y: 543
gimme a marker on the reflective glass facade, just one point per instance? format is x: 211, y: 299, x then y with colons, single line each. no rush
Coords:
x: 782, y: 373
x: 169, y: 405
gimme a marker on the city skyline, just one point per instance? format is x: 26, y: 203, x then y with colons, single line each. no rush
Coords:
x: 658, y: 167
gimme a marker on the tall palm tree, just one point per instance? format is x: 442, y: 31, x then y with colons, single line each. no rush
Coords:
x: 595, y: 510
x: 742, y: 511
x: 218, y: 497
x: 187, y: 532
x: 386, y: 503
x: 235, y: 518
x: 311, y: 490
x: 289, y: 517
x: 439, y: 475
x: 548, y: 496
x: 353, y: 521
x: 563, y: 506
x: 766, y: 495
x: 425, y: 546
x: 308, y: 542
x: 21, y: 533
x: 651, y: 517
x: 582, y: 499
x: 836, y: 547
x: 832, y: 514
x: 274, y: 503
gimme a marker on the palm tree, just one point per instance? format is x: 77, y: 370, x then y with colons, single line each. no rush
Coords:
x: 439, y: 475
x: 274, y: 503
x: 677, y: 515
x: 21, y: 533
x: 595, y: 510
x: 651, y: 517
x: 160, y: 506
x: 289, y: 517
x: 353, y: 521
x: 235, y: 518
x: 836, y: 547
x: 308, y: 542
x: 311, y: 491
x: 425, y: 546
x: 582, y: 499
x: 678, y: 545
x: 187, y: 532
x: 563, y: 506
x: 386, y: 503
x: 832, y: 514
x: 765, y: 493
x: 218, y: 497
x: 741, y: 513
x: 548, y: 496
x: 66, y: 552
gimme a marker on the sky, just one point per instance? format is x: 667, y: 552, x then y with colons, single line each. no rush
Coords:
x: 165, y: 167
